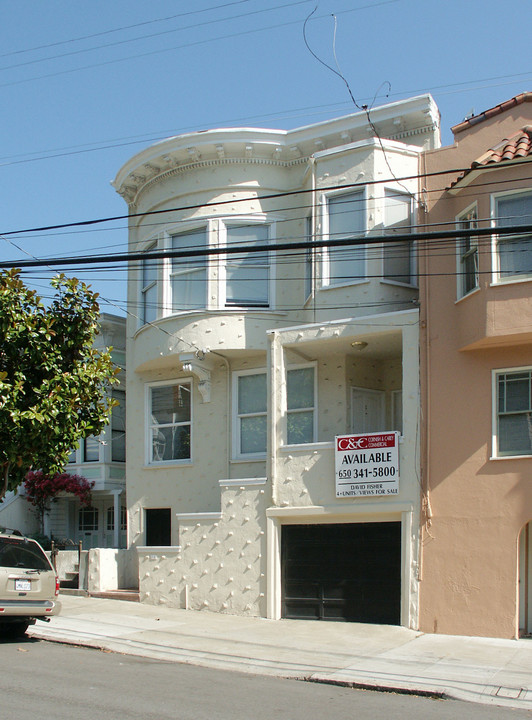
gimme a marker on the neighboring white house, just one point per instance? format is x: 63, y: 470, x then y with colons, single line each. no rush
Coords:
x: 243, y: 368
x: 101, y: 459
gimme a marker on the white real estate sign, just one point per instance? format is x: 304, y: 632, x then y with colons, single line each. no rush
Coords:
x: 367, y: 464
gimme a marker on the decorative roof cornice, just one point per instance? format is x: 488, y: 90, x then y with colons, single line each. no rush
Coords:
x: 187, y: 167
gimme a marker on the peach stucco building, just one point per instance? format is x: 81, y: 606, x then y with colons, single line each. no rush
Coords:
x: 476, y: 360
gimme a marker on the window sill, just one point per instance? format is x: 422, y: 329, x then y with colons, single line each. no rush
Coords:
x: 306, y: 447
x: 514, y: 280
x: 469, y: 294
x: 398, y: 283
x: 168, y: 464
x: 158, y: 549
x: 251, y: 458
x: 348, y: 283
x: 511, y: 457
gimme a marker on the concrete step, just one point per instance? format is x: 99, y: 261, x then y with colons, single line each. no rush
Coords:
x: 126, y: 594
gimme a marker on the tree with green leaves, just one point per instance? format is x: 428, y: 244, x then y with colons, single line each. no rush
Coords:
x: 53, y: 382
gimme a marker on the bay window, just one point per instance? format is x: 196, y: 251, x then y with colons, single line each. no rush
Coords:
x: 514, y: 251
x: 169, y: 424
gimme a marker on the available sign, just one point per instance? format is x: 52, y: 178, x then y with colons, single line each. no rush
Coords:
x: 367, y: 464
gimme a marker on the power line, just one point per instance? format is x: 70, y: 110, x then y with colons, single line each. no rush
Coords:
x: 502, y: 231
x: 254, y: 197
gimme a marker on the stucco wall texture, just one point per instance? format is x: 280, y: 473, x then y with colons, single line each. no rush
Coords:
x: 475, y: 504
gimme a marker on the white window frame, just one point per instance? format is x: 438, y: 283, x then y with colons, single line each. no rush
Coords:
x: 496, y: 275
x: 412, y: 246
x: 149, y: 424
x: 327, y: 281
x: 143, y: 289
x: 495, y: 410
x: 236, y: 417
x: 243, y: 220
x: 314, y: 409
x: 461, y: 256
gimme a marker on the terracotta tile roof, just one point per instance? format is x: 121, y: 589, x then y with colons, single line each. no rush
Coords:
x: 506, y: 105
x: 515, y: 147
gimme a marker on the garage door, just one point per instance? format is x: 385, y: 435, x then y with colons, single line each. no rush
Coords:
x: 342, y: 572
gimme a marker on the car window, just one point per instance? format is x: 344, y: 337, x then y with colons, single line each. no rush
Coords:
x: 21, y: 554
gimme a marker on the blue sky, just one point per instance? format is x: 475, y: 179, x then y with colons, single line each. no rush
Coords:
x: 87, y: 85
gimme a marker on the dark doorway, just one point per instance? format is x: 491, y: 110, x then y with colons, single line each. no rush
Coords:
x: 342, y: 572
x: 158, y: 526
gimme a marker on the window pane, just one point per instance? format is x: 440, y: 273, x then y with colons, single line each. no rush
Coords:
x: 196, y: 240
x: 515, y: 256
x: 171, y: 443
x: 170, y: 404
x: 346, y: 219
x: 149, y: 299
x: 247, y: 285
x: 91, y: 449
x: 515, y: 434
x: 253, y: 434
x: 300, y: 427
x: 149, y: 271
x: 397, y: 264
x: 514, y: 210
x: 189, y: 290
x: 397, y: 211
x: 346, y: 215
x: 300, y: 388
x: 252, y: 397
x: 247, y: 274
x: 189, y: 280
x: 517, y: 395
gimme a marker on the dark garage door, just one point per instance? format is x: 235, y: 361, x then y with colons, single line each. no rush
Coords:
x: 342, y: 572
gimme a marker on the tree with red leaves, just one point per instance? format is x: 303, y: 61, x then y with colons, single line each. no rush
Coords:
x: 42, y: 490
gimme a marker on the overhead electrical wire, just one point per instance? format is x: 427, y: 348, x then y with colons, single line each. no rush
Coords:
x: 252, y: 197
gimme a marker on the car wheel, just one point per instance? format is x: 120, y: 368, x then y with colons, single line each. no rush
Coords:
x: 14, y: 630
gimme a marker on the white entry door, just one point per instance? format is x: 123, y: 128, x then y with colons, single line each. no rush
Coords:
x: 367, y: 410
x: 88, y: 527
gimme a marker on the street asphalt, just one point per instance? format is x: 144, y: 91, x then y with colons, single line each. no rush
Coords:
x: 384, y: 657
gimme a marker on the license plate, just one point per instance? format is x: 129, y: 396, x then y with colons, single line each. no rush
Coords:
x: 23, y: 585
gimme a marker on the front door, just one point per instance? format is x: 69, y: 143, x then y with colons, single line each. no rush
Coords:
x: 367, y: 410
x: 88, y: 527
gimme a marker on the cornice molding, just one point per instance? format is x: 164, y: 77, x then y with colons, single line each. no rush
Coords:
x: 131, y: 192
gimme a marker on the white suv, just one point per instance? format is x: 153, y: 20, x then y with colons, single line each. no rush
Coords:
x: 29, y: 585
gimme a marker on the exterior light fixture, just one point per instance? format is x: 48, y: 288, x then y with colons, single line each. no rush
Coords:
x: 359, y: 344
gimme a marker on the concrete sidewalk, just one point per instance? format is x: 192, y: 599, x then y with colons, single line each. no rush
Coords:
x: 387, y: 657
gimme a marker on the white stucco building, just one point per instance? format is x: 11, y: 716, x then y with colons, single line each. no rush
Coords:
x: 244, y: 367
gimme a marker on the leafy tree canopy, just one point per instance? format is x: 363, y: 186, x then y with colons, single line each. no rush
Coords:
x: 53, y: 381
